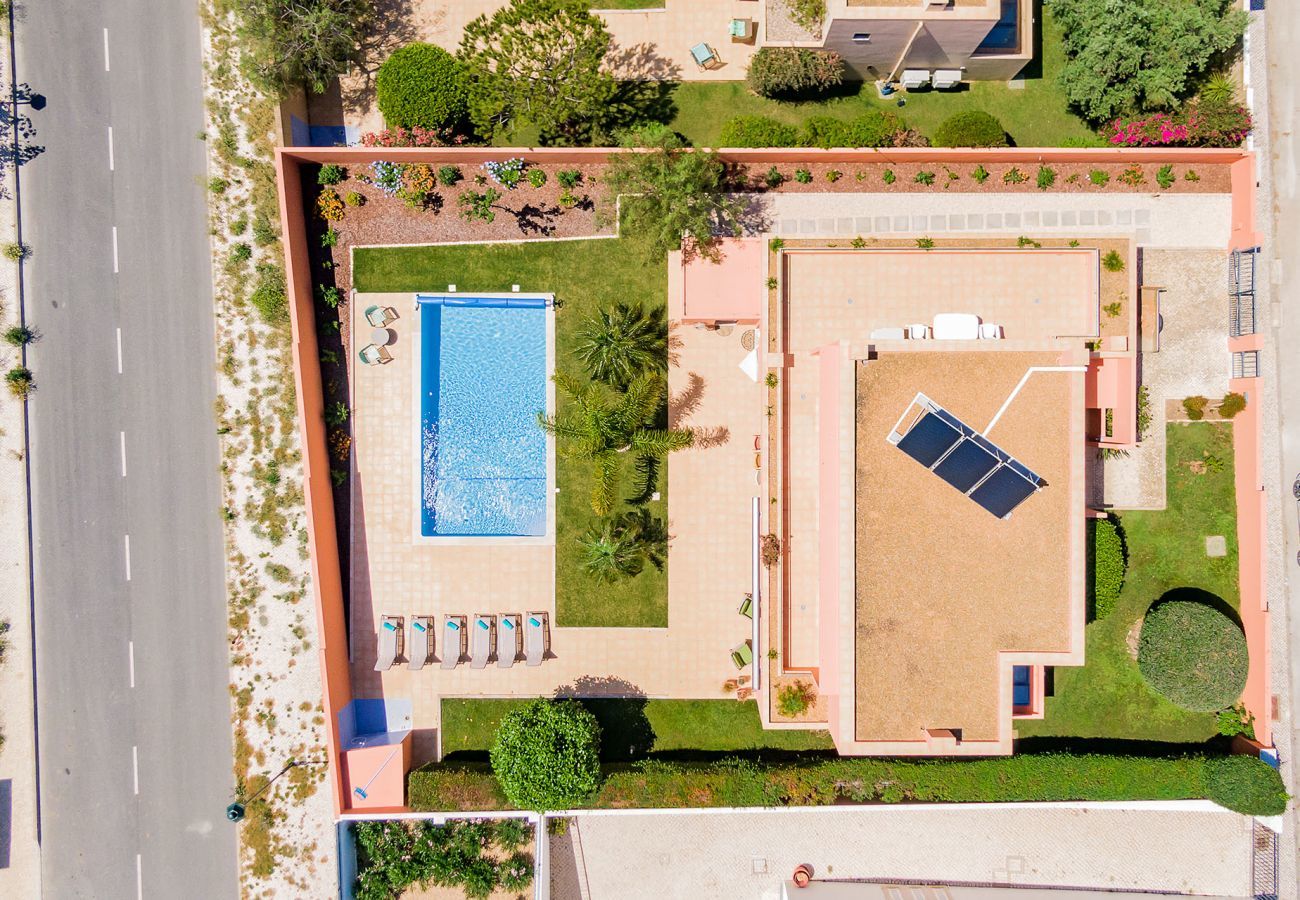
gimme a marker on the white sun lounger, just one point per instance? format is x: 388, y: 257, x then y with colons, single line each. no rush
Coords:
x: 480, y: 644
x: 453, y: 640
x: 535, y: 638
x: 510, y: 638
x: 421, y: 642
x: 390, y: 642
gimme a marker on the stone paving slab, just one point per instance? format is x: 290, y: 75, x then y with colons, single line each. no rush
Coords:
x: 1191, y: 847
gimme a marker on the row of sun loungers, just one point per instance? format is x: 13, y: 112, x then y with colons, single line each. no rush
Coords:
x: 503, y: 639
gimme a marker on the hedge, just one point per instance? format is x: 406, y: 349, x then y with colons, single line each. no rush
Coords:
x: 1025, y: 777
x: 758, y: 131
x: 1193, y: 654
x: 421, y: 86
x: 973, y: 128
x: 1108, y: 565
x: 794, y: 72
x: 1245, y: 784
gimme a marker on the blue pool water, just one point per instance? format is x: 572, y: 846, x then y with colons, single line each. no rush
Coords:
x: 482, y: 383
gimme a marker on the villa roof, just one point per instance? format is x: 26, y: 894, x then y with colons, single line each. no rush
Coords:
x: 943, y: 587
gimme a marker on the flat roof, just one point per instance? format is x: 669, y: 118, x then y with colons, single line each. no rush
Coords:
x: 728, y: 290
x: 942, y: 586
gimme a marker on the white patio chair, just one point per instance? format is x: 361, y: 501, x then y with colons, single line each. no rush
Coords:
x: 390, y: 639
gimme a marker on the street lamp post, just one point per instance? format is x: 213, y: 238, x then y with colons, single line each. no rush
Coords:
x: 235, y: 811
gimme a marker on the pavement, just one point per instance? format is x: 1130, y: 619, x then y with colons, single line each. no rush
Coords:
x: 1184, y: 847
x: 134, y: 741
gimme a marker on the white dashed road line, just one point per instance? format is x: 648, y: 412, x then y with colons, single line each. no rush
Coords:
x: 135, y: 768
x: 105, y: 49
x: 114, y: 249
x: 130, y: 660
x: 119, y: 351
x: 122, y: 441
x: 110, y: 148
x: 127, y: 543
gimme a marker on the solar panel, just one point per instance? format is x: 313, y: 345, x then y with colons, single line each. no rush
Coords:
x: 1003, y: 491
x: 929, y: 439
x: 966, y: 465
x: 966, y: 459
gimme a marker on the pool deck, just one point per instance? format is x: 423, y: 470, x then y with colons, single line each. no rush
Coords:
x: 708, y: 563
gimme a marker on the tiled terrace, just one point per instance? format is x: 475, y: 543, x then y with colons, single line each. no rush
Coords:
x: 1032, y: 294
x: 709, y: 558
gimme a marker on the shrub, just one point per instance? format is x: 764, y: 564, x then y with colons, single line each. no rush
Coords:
x: 773, y: 178
x: 1190, y: 175
x: 808, y: 14
x: 329, y: 295
x: 794, y: 700
x: 20, y: 381
x: 19, y: 335
x: 1195, y: 407
x: 1144, y: 414
x: 516, y: 873
x: 421, y: 85
x: 888, y: 176
x: 1107, y: 565
x: 925, y: 243
x: 834, y: 175
x: 568, y: 178
x: 508, y: 173
x: 269, y: 297
x: 1165, y: 177
x: 1046, y: 177
x: 1232, y: 404
x: 479, y: 205
x: 794, y: 72
x: 770, y: 550
x: 1132, y: 176
x: 825, y: 132
x: 329, y: 239
x: 352, y: 198
x: 536, y: 177
x: 874, y: 128
x: 1025, y: 241
x: 924, y: 178
x: 242, y: 253
x: 1201, y: 123
x: 449, y: 175
x: 1014, y: 176
x: 1192, y: 654
x: 1234, y: 721
x: 217, y: 185
x: 1099, y: 177
x: 1112, y: 261
x: 264, y: 231
x: 546, y: 755
x: 980, y: 174
x: 973, y: 128
x: 1245, y: 784
x: 330, y: 175
x: 803, y: 176
x: 758, y: 131
x: 287, y: 44
x: 411, y: 137
x: 329, y: 205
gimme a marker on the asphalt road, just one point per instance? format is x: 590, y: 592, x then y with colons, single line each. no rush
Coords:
x: 133, y: 712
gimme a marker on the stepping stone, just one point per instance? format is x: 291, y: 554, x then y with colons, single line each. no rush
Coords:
x: 1216, y: 545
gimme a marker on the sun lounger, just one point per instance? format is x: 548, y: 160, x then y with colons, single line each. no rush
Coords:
x: 747, y: 607
x: 380, y: 316
x: 390, y: 642
x: 373, y: 355
x: 421, y: 642
x: 480, y: 643
x: 535, y: 638
x: 510, y: 638
x: 742, y: 655
x: 705, y: 56
x: 453, y: 640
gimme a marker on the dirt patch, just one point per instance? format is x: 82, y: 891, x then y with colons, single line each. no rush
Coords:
x: 1131, y: 639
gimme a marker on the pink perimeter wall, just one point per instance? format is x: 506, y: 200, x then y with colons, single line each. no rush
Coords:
x: 828, y: 529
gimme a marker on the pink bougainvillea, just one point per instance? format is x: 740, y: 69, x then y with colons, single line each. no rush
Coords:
x: 412, y: 137
x: 1198, y: 124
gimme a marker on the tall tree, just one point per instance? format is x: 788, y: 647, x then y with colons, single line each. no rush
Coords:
x: 537, y: 61
x: 672, y: 196
x: 606, y: 430
x: 623, y: 341
x: 1133, y: 56
x: 292, y: 43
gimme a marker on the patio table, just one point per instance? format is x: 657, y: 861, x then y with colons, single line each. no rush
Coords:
x: 956, y: 327
x: 380, y: 337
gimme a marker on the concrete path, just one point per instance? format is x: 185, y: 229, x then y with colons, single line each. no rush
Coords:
x: 1155, y: 220
x: 1192, y: 847
x: 133, y: 710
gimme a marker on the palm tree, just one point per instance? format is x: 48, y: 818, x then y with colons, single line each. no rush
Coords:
x: 611, y: 553
x: 596, y: 427
x: 622, y: 342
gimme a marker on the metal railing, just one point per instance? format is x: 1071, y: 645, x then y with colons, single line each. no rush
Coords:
x: 1241, y: 292
x: 1263, y: 863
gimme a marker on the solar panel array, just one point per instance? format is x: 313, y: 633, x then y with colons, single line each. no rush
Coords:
x: 968, y: 461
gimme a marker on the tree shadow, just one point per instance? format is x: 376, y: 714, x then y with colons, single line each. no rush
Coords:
x: 619, y: 706
x: 1118, y: 746
x: 711, y: 436
x: 18, y: 148
x: 686, y: 401
x: 752, y: 218
x: 534, y: 219
x: 1196, y: 595
x: 391, y: 26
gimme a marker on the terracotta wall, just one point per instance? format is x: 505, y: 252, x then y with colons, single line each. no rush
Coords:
x: 830, y: 365
x: 322, y: 543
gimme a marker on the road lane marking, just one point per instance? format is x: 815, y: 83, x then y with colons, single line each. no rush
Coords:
x: 130, y: 656
x: 135, y: 767
x: 110, y: 148
x: 119, y: 351
x: 105, y: 49
x: 122, y: 442
x: 139, y: 882
x: 127, y: 538
x: 114, y: 248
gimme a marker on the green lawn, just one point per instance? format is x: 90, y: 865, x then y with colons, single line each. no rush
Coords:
x: 1034, y: 116
x: 633, y: 729
x: 584, y: 276
x: 1166, y: 549
x: 625, y: 4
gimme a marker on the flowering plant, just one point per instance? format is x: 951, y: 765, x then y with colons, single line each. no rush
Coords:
x: 387, y: 176
x: 412, y: 137
x: 508, y: 173
x: 329, y: 205
x: 1202, y: 123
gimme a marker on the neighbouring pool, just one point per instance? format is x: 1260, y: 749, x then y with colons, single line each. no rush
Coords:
x: 483, y: 379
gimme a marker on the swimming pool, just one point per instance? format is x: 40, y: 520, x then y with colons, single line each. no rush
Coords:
x: 482, y: 380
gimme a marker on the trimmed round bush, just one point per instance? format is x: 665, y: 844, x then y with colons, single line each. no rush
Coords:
x: 1245, y: 784
x: 973, y: 128
x: 421, y: 86
x: 1191, y: 653
x: 1108, y: 565
x: 758, y: 131
x: 794, y: 72
x: 546, y: 755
